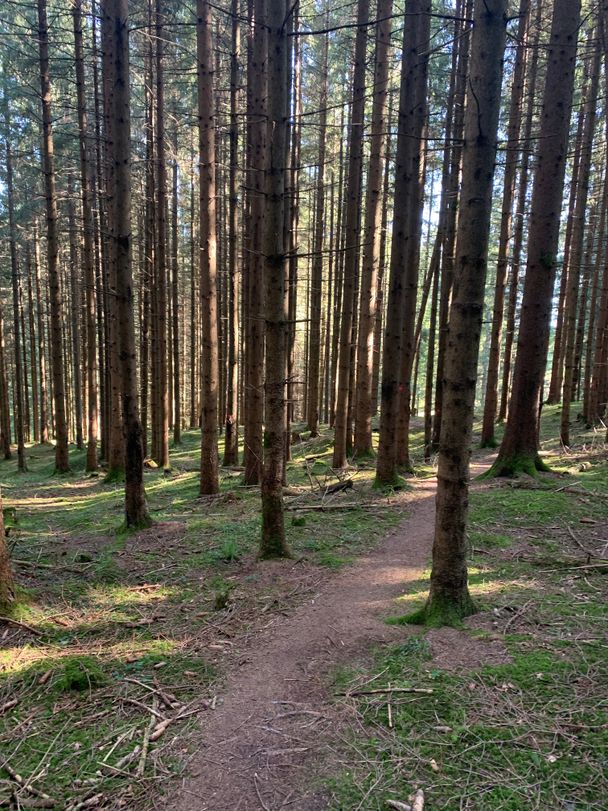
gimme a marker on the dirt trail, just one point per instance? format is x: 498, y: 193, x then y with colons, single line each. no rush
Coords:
x: 261, y: 745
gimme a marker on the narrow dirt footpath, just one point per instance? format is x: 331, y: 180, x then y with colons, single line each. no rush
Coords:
x: 271, y: 734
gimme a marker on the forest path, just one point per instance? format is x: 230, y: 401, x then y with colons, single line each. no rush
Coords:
x: 272, y: 733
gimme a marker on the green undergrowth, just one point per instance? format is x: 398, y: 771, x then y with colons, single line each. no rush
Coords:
x: 518, y: 714
x: 103, y: 611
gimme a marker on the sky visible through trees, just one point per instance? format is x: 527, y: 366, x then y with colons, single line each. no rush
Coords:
x: 261, y: 219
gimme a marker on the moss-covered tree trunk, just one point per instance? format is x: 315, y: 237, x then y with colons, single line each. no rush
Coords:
x: 519, y: 448
x: 449, y: 598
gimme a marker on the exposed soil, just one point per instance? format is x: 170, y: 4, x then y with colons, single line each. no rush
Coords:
x: 271, y: 736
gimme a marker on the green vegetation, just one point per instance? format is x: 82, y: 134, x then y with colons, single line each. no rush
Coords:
x: 518, y: 716
x: 109, y: 617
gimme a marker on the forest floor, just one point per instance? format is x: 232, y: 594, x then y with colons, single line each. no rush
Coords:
x: 168, y: 668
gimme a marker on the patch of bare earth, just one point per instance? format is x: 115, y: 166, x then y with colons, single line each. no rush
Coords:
x: 272, y: 736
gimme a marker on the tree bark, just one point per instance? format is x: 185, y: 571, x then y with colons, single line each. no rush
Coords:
x: 136, y: 513
x: 209, y: 481
x: 512, y: 155
x: 519, y: 448
x: 273, y: 541
x: 352, y: 237
x: 449, y: 598
x: 62, y: 462
x: 372, y: 235
x: 403, y: 276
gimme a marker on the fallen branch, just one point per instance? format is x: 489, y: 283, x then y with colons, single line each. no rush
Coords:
x: 29, y: 628
x: 384, y: 690
x: 398, y: 806
x: 24, y: 784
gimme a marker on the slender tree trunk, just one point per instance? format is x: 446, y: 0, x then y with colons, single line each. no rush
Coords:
x: 519, y: 448
x: 74, y: 320
x: 403, y: 278
x: 273, y: 541
x: 161, y: 244
x: 512, y: 154
x: 575, y: 257
x: 86, y: 186
x: 17, y: 335
x: 254, y: 268
x: 368, y: 301
x: 33, y: 346
x: 231, y: 433
x: 449, y: 598
x: 316, y: 282
x: 352, y: 237
x: 209, y: 482
x: 177, y: 387
x: 520, y: 217
x: 136, y: 513
x: 62, y: 462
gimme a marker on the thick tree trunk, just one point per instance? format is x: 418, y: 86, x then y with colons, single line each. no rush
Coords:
x: 273, y: 541
x: 403, y: 271
x: 519, y: 448
x: 62, y: 462
x: 177, y: 374
x: 372, y: 235
x: 449, y: 598
x: 209, y: 482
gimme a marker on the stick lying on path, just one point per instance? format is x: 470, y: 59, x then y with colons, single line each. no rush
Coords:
x: 383, y: 690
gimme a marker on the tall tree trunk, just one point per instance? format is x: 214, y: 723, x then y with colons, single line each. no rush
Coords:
x: 519, y: 448
x: 33, y: 346
x: 17, y: 334
x: 403, y: 278
x: 462, y: 44
x: 368, y: 300
x: 512, y: 155
x: 273, y: 541
x: 254, y: 269
x: 136, y: 513
x: 575, y: 256
x: 352, y: 237
x: 161, y: 244
x: 86, y: 187
x: 316, y: 281
x: 62, y: 462
x: 520, y: 216
x: 209, y: 482
x: 449, y: 598
x: 74, y: 320
x: 177, y: 376
x: 231, y: 433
